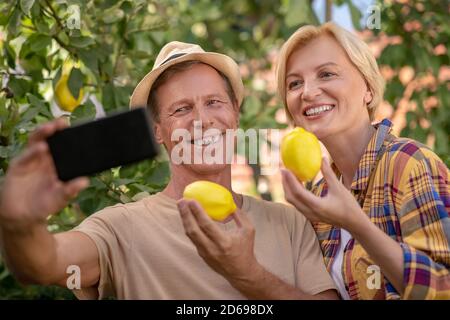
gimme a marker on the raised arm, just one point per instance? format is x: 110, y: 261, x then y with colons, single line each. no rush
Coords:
x: 30, y: 193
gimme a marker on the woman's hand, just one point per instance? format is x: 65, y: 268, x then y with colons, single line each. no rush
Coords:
x: 338, y: 208
x: 228, y: 253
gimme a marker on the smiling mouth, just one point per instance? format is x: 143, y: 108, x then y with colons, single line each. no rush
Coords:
x: 206, y: 140
x: 317, y: 110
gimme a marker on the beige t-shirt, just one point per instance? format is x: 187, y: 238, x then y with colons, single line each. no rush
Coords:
x: 145, y: 253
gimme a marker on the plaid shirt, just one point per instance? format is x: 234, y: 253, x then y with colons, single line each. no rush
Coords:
x: 404, y: 189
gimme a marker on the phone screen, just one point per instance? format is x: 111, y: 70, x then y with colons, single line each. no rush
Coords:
x: 98, y: 145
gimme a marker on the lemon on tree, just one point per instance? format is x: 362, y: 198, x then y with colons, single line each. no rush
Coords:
x: 301, y: 153
x: 63, y: 96
x: 215, y: 199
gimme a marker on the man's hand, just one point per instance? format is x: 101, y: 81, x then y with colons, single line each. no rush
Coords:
x: 228, y: 253
x: 31, y: 190
x: 231, y: 254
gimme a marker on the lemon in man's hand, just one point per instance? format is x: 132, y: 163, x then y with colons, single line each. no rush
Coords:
x: 215, y: 199
x: 301, y: 154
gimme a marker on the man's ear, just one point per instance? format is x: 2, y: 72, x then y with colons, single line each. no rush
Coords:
x: 158, y: 133
x: 238, y: 115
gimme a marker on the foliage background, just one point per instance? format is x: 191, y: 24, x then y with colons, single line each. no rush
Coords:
x: 118, y: 40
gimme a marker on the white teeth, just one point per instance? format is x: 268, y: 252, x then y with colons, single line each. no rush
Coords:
x: 207, y: 140
x: 318, y: 110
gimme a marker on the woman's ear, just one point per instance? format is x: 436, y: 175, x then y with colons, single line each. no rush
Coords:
x: 368, y: 96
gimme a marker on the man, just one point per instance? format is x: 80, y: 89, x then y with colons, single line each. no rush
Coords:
x: 145, y: 249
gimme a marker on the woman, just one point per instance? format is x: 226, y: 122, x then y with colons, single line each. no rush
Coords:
x: 381, y: 212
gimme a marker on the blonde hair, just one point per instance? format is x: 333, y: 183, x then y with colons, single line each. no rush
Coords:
x: 357, y: 51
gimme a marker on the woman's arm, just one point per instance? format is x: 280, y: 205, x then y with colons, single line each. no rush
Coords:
x: 417, y: 268
x: 384, y: 251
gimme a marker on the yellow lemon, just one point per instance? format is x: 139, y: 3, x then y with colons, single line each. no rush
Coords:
x: 301, y: 153
x: 215, y: 199
x: 64, y: 98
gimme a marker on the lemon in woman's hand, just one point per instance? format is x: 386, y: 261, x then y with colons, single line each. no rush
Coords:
x: 301, y: 153
x: 64, y: 98
x: 215, y: 199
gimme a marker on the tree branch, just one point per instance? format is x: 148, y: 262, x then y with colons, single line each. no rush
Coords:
x: 55, y: 16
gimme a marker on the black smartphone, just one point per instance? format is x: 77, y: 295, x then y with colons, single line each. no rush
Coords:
x: 101, y: 144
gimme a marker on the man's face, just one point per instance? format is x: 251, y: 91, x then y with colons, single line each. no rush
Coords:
x: 196, y: 95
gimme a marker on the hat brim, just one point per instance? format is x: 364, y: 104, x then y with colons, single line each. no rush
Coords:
x: 219, y: 61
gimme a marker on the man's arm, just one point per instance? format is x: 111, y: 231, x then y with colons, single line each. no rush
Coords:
x: 263, y: 285
x: 36, y: 256
x: 231, y: 255
x: 29, y: 193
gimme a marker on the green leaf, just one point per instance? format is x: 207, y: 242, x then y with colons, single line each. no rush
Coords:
x: 142, y: 188
x: 36, y: 106
x: 159, y: 176
x: 14, y: 22
x: 84, y: 112
x: 81, y: 42
x: 41, y: 25
x: 394, y: 55
x: 252, y: 106
x: 355, y: 15
x: 125, y: 199
x: 19, y: 87
x: 140, y: 196
x: 128, y: 171
x: 4, y: 152
x: 299, y: 12
x: 56, y: 77
x: 123, y: 182
x: 4, y: 112
x: 112, y: 16
x: 26, y: 6
x: 89, y: 58
x: 30, y: 114
x: 75, y: 82
x: 39, y: 42
x: 126, y: 7
x: 35, y: 101
x: 10, y: 55
x: 108, y: 97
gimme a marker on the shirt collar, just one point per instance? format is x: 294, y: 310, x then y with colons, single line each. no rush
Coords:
x: 369, y: 158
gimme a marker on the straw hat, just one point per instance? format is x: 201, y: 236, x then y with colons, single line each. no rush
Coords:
x: 175, y: 52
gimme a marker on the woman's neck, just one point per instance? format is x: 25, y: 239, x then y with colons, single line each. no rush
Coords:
x: 346, y: 149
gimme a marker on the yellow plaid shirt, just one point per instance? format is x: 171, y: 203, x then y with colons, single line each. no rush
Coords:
x: 403, y: 187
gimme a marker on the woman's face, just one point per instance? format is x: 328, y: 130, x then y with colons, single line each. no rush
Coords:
x: 325, y: 93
